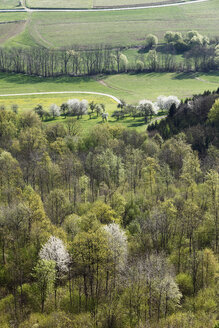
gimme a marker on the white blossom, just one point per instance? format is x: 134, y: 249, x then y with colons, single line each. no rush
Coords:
x: 166, y: 102
x: 74, y: 106
x: 54, y: 250
x: 147, y: 106
x: 83, y: 107
x: 54, y: 110
x: 117, y: 241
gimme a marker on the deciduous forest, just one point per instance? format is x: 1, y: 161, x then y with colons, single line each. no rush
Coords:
x: 111, y: 228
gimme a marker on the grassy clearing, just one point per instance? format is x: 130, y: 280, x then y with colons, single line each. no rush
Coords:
x: 126, y: 28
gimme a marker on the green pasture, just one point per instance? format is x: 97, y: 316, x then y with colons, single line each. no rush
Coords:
x: 11, y: 25
x: 89, y: 3
x: 27, y: 103
x: 12, y: 17
x: 10, y: 4
x: 126, y: 28
x: 59, y: 3
x: 150, y: 86
x: 111, y: 3
x: 130, y: 87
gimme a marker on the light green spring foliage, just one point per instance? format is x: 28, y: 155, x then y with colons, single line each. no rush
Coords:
x: 44, y: 273
x: 213, y: 115
x: 151, y: 40
x: 135, y: 217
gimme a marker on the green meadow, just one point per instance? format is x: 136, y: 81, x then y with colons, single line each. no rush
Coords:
x: 126, y: 28
x: 9, y: 4
x: 131, y: 88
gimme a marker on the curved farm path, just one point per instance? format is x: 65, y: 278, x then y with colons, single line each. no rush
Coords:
x: 26, y: 9
x: 102, y: 82
x: 63, y: 92
x: 205, y: 81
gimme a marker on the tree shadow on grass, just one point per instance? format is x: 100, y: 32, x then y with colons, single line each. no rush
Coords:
x: 129, y: 122
x: 193, y: 75
x: 26, y: 79
x: 185, y: 76
x: 136, y: 124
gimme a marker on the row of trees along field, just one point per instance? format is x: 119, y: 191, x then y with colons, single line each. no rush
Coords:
x: 76, y: 108
x: 199, y: 54
x: 108, y: 229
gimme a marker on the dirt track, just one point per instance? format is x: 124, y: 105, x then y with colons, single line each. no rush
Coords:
x: 169, y: 4
x: 63, y: 92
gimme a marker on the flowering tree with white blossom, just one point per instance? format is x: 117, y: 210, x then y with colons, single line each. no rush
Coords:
x: 54, y: 250
x: 118, y: 246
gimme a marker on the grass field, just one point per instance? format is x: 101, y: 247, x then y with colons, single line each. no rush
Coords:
x: 10, y: 30
x: 131, y: 88
x: 11, y: 25
x: 126, y: 28
x: 27, y: 103
x: 117, y: 3
x: 12, y: 17
x: 59, y: 3
x: 9, y: 4
x: 90, y: 3
x: 150, y: 86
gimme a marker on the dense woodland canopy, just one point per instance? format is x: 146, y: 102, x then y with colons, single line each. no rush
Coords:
x: 110, y: 228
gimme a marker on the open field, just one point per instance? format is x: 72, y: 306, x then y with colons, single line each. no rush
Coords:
x: 11, y: 25
x: 92, y: 3
x: 126, y: 28
x: 9, y: 4
x: 150, y: 86
x: 131, y: 88
x: 12, y: 17
x: 27, y: 103
x: 117, y: 3
x: 59, y: 3
x: 10, y: 30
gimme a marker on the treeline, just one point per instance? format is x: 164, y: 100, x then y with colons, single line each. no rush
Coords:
x: 192, y: 118
x: 109, y: 228
x: 76, y: 62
